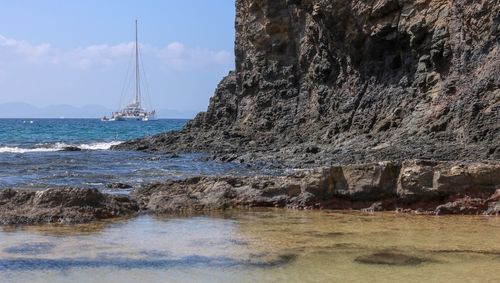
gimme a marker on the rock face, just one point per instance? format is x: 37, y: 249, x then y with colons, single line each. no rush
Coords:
x: 354, y: 81
x: 64, y: 205
x: 415, y: 186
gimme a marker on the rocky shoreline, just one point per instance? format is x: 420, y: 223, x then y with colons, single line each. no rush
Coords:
x: 318, y: 83
x: 413, y: 186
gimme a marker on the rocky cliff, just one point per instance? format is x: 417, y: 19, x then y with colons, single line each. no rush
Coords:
x: 346, y: 81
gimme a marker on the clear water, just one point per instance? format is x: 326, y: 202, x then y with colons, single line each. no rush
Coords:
x: 31, y: 154
x: 254, y: 246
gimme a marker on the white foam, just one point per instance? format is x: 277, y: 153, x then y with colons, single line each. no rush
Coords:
x: 8, y: 149
x: 99, y: 145
x: 59, y: 147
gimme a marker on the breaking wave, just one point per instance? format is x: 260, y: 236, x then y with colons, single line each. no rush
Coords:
x: 59, y: 147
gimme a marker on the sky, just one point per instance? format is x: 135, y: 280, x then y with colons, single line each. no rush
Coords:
x: 78, y: 52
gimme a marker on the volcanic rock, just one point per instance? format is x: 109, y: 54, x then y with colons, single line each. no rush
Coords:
x: 354, y: 81
x: 61, y: 205
x: 373, y: 186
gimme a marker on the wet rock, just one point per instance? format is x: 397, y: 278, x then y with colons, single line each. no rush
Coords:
x: 493, y: 209
x: 61, y: 205
x: 71, y: 148
x: 118, y: 186
x: 467, y: 206
x: 390, y: 258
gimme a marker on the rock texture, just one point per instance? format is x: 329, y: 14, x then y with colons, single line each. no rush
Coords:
x: 354, y: 81
x: 61, y: 205
x: 413, y: 186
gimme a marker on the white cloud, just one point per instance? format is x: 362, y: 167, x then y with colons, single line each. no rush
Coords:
x: 173, y: 57
x: 24, y: 48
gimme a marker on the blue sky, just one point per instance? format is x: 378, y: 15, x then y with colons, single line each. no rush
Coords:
x: 77, y: 52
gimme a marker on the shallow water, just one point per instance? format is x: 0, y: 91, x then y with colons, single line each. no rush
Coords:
x: 254, y: 246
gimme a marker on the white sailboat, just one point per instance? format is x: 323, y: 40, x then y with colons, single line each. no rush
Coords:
x: 134, y: 110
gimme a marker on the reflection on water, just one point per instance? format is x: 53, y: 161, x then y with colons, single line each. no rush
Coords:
x: 256, y: 246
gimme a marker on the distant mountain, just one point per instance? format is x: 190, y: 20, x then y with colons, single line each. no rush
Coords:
x: 25, y: 110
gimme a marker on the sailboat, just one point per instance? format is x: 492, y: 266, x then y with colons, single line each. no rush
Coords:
x: 134, y: 110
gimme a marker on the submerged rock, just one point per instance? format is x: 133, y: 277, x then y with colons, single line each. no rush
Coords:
x: 61, y: 205
x: 390, y: 258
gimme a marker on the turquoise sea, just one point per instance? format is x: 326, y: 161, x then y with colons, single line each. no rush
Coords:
x: 32, y: 154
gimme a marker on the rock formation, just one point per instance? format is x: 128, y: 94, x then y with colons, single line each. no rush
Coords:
x: 61, y: 205
x: 354, y: 81
x: 413, y: 186
x: 417, y: 186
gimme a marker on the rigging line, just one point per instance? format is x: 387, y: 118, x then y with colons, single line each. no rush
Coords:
x: 146, y: 82
x: 127, y: 80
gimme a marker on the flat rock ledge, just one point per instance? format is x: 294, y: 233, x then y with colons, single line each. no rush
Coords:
x: 413, y: 186
x: 62, y: 206
x: 418, y: 186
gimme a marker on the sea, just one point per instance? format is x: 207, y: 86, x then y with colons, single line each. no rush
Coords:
x: 33, y: 155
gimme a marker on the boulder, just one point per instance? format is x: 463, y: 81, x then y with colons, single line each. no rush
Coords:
x: 479, y: 179
x: 366, y: 181
x: 61, y: 205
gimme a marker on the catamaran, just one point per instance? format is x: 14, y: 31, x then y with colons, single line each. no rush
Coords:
x: 134, y: 110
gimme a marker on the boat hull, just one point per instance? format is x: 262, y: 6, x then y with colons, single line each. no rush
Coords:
x: 134, y: 118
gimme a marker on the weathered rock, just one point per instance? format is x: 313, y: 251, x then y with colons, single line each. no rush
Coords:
x: 468, y: 178
x: 416, y: 179
x: 118, y: 186
x: 467, y: 206
x: 493, y: 203
x: 493, y: 209
x: 371, y: 187
x: 354, y: 82
x: 61, y: 205
x: 421, y: 179
x: 365, y: 182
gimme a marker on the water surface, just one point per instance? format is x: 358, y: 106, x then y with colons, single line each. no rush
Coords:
x: 254, y: 246
x: 32, y: 154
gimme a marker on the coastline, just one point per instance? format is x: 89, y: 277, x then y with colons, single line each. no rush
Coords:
x: 413, y: 186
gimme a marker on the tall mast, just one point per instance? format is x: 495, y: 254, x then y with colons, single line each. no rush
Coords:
x: 137, y: 76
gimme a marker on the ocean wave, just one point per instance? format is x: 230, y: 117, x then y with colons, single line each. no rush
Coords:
x: 99, y: 145
x: 59, y: 147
